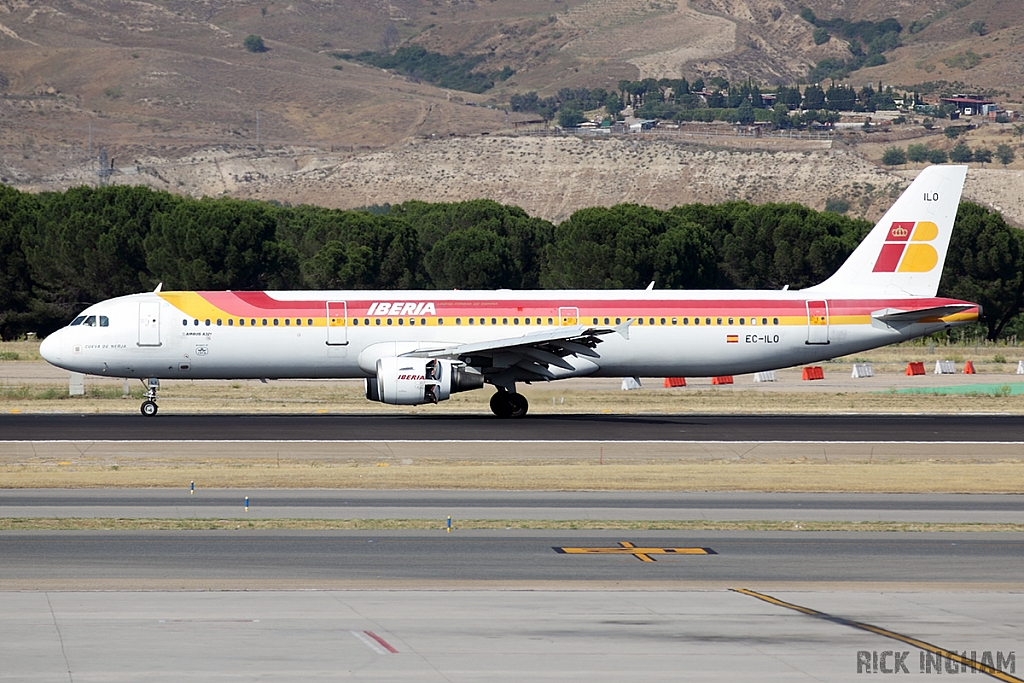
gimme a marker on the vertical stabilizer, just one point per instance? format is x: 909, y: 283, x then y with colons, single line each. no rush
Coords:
x: 904, y: 253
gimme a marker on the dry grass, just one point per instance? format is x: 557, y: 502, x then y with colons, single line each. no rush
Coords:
x: 886, y: 476
x: 116, y: 524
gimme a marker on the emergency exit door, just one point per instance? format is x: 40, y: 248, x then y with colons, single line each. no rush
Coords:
x: 817, y: 322
x: 337, y: 323
x: 149, y: 323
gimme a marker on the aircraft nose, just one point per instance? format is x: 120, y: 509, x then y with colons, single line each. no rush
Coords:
x: 50, y: 348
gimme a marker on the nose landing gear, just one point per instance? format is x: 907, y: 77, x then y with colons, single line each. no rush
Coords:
x: 149, y: 406
x: 506, y: 404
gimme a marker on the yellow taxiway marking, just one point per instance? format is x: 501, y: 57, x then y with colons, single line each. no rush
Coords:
x: 886, y: 633
x: 642, y: 554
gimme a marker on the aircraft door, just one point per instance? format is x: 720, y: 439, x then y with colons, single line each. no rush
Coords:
x: 149, y: 323
x: 817, y: 322
x: 337, y: 323
x: 568, y: 315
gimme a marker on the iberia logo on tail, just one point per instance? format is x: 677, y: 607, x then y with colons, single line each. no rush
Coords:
x: 906, y: 249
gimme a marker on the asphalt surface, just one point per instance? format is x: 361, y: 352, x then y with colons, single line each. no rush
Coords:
x: 508, y: 555
x: 531, y: 505
x: 565, y: 428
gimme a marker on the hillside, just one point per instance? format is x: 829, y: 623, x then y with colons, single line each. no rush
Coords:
x: 167, y: 89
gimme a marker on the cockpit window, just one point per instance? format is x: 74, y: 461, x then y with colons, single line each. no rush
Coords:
x: 77, y: 321
x: 104, y: 321
x: 90, y: 321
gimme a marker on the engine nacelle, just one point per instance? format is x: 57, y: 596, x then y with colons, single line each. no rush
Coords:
x: 412, y: 381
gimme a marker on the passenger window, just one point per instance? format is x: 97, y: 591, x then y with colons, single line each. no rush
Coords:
x: 241, y: 321
x: 412, y: 321
x: 551, y: 321
x: 423, y: 321
x: 207, y: 322
x: 458, y: 321
x: 390, y: 321
x: 707, y: 321
x: 730, y: 321
x: 252, y: 322
x: 366, y: 321
x: 718, y: 321
x: 219, y: 322
x: 742, y: 321
x: 275, y: 321
x: 183, y: 322
x: 753, y: 321
x: 651, y: 321
x: 440, y: 321
x: 264, y: 322
x: 309, y: 321
x: 287, y: 322
x: 526, y: 321
x: 686, y: 321
x: 504, y: 321
x: 470, y: 321
x: 494, y: 321
x: 675, y: 321
x: 595, y: 321
x: 639, y: 321
x: 775, y: 321
x: 298, y: 321
x: 662, y: 321
x: 80, y: 319
x: 606, y: 321
x: 618, y: 321
x: 354, y: 322
x: 401, y: 321
x: 764, y: 321
x: 196, y: 322
x: 231, y: 322
x: 376, y: 321
x: 515, y: 321
x: 696, y: 321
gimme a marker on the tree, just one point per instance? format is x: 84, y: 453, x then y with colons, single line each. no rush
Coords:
x: 570, y: 118
x: 389, y: 39
x: 1018, y: 130
x: 953, y: 132
x: 961, y: 154
x: 745, y: 113
x: 985, y: 264
x: 254, y: 43
x: 977, y: 27
x: 917, y: 153
x: 1005, y: 154
x: 814, y: 97
x: 894, y: 156
x: 983, y: 156
x: 820, y: 36
x: 937, y: 156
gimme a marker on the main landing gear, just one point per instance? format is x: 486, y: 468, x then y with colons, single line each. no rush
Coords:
x: 149, y: 406
x: 507, y: 404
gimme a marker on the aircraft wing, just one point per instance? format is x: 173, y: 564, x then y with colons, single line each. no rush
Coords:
x: 894, y: 315
x: 529, y: 357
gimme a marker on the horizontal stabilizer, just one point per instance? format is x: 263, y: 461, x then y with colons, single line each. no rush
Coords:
x: 894, y: 315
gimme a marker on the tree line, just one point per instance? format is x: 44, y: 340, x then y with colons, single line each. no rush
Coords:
x: 60, y: 252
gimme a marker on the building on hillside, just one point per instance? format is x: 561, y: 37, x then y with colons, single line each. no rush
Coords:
x: 969, y: 105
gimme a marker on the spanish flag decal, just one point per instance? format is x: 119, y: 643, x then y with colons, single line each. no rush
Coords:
x: 732, y: 339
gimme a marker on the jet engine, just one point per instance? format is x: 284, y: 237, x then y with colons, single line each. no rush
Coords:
x: 412, y: 381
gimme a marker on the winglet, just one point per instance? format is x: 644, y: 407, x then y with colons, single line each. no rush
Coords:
x: 158, y: 288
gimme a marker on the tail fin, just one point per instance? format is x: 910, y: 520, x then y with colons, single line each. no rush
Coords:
x: 904, y: 253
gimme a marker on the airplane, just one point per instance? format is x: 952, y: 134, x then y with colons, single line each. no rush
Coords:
x: 418, y: 347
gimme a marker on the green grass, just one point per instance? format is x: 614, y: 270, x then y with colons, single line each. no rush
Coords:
x: 970, y: 390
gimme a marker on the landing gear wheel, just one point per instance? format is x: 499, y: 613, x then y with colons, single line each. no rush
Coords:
x: 149, y: 408
x: 506, y: 404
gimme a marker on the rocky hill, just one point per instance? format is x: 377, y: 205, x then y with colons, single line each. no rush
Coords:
x: 167, y: 89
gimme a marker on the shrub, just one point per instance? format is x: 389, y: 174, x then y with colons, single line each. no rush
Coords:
x: 254, y: 43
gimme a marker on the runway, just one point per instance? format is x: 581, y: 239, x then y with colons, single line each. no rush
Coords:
x: 1003, y: 429
x: 509, y: 505
x: 508, y: 558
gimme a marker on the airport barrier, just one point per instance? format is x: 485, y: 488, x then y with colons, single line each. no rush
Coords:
x: 630, y: 383
x: 969, y: 368
x: 766, y: 376
x: 862, y: 370
x: 1020, y: 367
x: 813, y: 372
x: 724, y: 379
x: 946, y: 367
x: 915, y: 369
x: 673, y: 382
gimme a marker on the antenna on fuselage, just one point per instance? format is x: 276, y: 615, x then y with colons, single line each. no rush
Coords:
x: 650, y: 286
x: 158, y: 288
